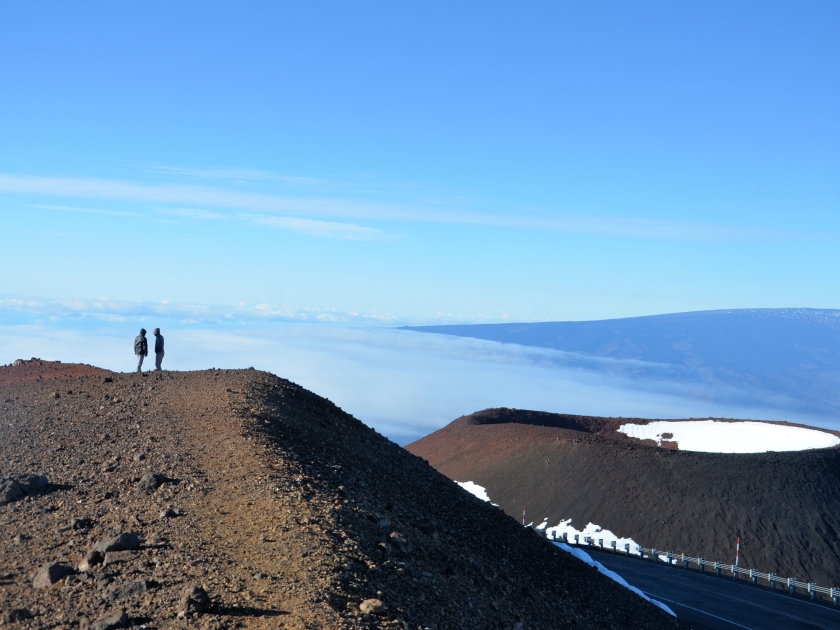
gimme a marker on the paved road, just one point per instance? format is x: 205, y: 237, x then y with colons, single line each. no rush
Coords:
x: 707, y: 602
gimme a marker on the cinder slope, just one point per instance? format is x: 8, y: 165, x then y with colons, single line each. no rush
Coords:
x: 785, y: 506
x: 292, y: 514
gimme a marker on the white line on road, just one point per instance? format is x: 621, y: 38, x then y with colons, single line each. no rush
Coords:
x: 671, y: 601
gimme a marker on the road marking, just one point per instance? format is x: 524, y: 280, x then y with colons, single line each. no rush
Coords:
x: 696, y: 610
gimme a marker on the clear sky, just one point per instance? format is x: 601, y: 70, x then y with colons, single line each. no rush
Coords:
x: 416, y: 161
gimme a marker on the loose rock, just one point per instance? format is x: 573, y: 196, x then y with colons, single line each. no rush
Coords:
x: 151, y: 482
x: 51, y: 573
x: 372, y: 606
x: 194, y: 600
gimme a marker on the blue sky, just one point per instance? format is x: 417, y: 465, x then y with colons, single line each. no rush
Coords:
x: 414, y: 162
x: 279, y: 185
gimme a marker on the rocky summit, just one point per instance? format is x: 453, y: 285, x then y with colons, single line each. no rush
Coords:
x: 220, y: 499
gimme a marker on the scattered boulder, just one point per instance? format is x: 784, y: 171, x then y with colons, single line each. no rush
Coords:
x: 16, y: 614
x: 30, y: 483
x: 19, y: 485
x: 120, y: 592
x: 372, y: 607
x: 81, y: 523
x: 152, y: 481
x: 10, y: 490
x: 51, y: 573
x: 109, y: 621
x: 124, y: 542
x: 168, y: 513
x: 90, y: 560
x: 194, y: 600
x: 116, y: 557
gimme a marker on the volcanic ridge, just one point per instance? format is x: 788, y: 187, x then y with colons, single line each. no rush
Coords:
x: 783, y: 505
x: 239, y: 499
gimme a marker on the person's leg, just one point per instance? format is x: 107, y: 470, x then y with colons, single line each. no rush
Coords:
x: 158, y: 359
x: 139, y: 362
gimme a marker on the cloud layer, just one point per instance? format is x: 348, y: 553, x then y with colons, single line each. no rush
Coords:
x: 405, y: 384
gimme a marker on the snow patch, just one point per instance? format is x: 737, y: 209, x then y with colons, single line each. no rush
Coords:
x: 711, y: 436
x: 580, y: 554
x: 474, y: 489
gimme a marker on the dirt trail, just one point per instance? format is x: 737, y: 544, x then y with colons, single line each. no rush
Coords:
x: 287, y: 511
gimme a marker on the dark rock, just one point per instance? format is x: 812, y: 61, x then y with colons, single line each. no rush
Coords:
x: 92, y: 559
x: 30, y: 483
x: 107, y: 379
x: 110, y: 621
x: 56, y: 394
x: 151, y: 482
x: 81, y: 523
x: 116, y: 557
x: 123, y: 542
x: 168, y: 513
x: 20, y: 539
x: 194, y: 600
x: 51, y: 573
x: 16, y: 614
x: 10, y: 490
x: 119, y: 592
x: 372, y: 607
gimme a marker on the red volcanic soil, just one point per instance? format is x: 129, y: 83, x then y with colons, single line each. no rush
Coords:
x: 22, y: 371
x: 286, y: 510
x: 785, y: 506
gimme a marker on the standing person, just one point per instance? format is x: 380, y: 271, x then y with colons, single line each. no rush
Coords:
x: 158, y: 348
x: 141, y: 348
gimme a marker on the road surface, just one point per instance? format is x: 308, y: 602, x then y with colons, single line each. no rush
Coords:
x: 710, y: 603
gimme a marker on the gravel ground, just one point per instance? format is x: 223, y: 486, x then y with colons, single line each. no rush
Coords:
x: 221, y: 499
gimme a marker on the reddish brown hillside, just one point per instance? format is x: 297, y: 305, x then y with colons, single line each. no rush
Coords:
x: 286, y: 510
x: 785, y: 506
x: 26, y: 371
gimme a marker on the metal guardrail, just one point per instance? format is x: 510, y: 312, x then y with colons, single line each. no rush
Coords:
x: 791, y: 584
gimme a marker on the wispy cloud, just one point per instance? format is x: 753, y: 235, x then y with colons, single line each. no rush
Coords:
x: 326, y: 229
x: 307, y: 214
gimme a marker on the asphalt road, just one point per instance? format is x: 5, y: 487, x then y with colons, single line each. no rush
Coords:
x: 707, y: 602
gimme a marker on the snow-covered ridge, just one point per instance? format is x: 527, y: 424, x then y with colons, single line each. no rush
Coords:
x: 712, y: 436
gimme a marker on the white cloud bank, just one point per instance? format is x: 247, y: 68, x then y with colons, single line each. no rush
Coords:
x: 402, y: 383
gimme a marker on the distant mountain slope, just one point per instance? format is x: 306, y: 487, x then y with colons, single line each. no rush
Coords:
x: 794, y: 353
x: 785, y: 506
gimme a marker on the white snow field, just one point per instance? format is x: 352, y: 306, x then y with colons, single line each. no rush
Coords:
x: 711, y: 436
x: 590, y: 530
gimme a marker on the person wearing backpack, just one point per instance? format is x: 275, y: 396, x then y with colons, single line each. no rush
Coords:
x: 141, y: 348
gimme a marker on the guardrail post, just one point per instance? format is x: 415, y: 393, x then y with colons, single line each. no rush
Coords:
x: 612, y: 544
x: 601, y: 543
x: 812, y: 590
x: 641, y: 553
x: 577, y: 539
x: 588, y: 541
x: 627, y: 549
x: 701, y: 564
x: 792, y: 585
x: 753, y: 576
x: 835, y: 595
x: 734, y: 572
x: 566, y: 537
x: 653, y: 553
x: 668, y: 557
x: 772, y: 580
x: 685, y: 563
x: 717, y: 568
